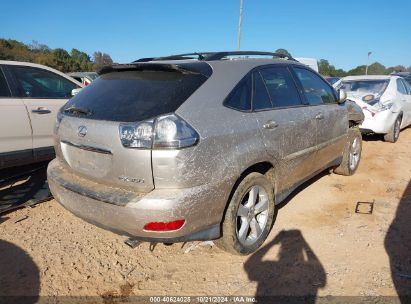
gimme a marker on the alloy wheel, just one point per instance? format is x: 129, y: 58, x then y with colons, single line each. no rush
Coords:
x: 252, y: 216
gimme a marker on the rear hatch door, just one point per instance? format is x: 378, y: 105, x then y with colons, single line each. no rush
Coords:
x: 88, y: 135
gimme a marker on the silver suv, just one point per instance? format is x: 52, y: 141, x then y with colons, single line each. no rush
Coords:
x: 199, y: 146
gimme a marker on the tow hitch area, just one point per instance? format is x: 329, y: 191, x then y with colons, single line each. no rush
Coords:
x: 132, y: 242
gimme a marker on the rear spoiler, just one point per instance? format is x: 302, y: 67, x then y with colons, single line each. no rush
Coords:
x: 186, y: 68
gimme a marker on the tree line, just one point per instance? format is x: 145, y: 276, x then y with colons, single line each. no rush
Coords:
x: 59, y: 59
x: 376, y: 68
x: 78, y: 61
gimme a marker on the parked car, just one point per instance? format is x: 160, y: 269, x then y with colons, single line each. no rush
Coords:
x: 30, y: 97
x: 84, y: 77
x: 181, y: 149
x: 385, y: 100
x: 332, y: 80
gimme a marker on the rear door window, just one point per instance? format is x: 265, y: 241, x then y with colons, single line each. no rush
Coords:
x: 4, y: 88
x: 281, y: 87
x: 135, y: 95
x: 316, y: 90
x: 37, y: 83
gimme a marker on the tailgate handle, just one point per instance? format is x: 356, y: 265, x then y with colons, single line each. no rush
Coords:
x: 271, y: 124
x: 41, y: 110
x: 319, y: 116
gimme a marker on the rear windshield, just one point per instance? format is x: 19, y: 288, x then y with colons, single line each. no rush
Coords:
x: 135, y: 95
x: 366, y: 86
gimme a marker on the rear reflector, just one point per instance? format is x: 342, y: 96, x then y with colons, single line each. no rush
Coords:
x: 164, y: 226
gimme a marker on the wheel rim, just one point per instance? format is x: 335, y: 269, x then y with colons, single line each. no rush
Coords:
x: 397, y: 129
x: 252, y: 216
x: 355, y: 152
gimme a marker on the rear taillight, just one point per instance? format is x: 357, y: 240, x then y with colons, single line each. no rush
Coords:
x: 165, y: 132
x: 164, y: 226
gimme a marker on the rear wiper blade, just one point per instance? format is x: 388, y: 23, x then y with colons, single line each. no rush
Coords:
x: 76, y: 110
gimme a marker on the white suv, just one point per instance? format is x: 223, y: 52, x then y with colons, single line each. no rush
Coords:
x: 30, y: 97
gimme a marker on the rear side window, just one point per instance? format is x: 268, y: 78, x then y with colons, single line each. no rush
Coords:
x: 4, y: 88
x: 281, y: 87
x: 240, y: 97
x: 136, y: 95
x: 38, y: 83
x: 316, y: 90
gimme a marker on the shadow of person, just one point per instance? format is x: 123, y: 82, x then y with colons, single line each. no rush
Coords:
x: 19, y: 275
x: 398, y: 247
x: 295, y: 276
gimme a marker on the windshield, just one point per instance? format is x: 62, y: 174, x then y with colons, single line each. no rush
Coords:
x: 376, y: 87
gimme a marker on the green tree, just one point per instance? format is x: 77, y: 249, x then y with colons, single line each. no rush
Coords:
x: 284, y: 52
x: 377, y: 69
x: 80, y: 61
x: 14, y: 50
x: 359, y: 70
x: 327, y: 69
x: 75, y: 61
x: 61, y: 60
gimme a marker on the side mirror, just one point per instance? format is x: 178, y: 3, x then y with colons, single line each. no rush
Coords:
x: 75, y: 91
x: 342, y: 96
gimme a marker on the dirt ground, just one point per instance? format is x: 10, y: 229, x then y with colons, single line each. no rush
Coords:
x: 319, y: 245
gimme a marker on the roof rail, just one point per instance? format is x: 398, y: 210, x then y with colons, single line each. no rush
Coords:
x: 200, y: 56
x: 221, y: 55
x: 208, y: 56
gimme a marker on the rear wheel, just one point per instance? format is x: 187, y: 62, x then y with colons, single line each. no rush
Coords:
x: 352, y: 153
x: 249, y: 216
x: 394, y: 133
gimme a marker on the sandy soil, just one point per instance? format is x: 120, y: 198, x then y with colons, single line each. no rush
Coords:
x: 318, y: 245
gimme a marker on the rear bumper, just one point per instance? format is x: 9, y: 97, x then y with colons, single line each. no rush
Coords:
x: 126, y: 213
x: 381, y: 123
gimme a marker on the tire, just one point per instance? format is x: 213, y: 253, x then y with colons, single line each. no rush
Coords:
x: 394, y: 133
x: 245, y: 233
x: 352, y: 153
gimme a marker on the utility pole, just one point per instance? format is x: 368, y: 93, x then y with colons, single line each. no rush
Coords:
x: 368, y: 61
x: 240, y: 21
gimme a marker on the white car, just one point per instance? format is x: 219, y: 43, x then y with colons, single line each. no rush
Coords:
x: 385, y: 101
x: 30, y: 97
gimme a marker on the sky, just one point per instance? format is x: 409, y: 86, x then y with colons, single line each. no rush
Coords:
x: 343, y: 32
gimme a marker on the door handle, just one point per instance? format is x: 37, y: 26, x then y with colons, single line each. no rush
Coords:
x: 319, y: 116
x: 41, y: 110
x: 271, y: 124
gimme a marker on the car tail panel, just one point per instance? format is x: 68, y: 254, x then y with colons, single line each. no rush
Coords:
x: 92, y: 148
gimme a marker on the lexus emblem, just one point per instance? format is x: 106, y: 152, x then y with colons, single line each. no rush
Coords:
x: 82, y: 131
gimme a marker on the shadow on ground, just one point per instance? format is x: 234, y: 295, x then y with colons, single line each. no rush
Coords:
x: 398, y: 247
x: 23, y: 186
x: 296, y: 274
x: 19, y: 275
